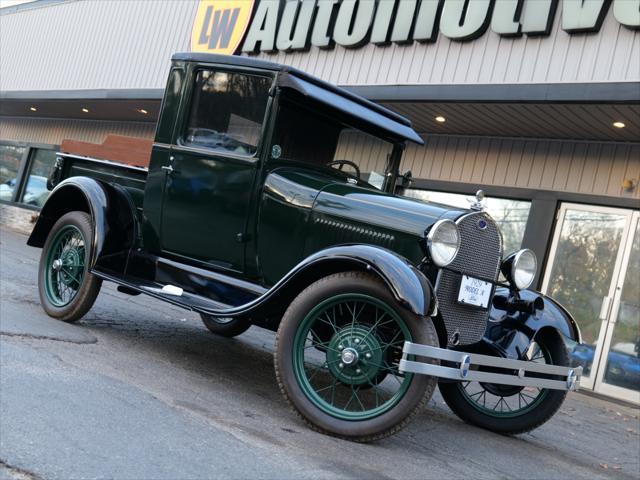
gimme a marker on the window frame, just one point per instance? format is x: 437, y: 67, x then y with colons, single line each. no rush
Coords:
x: 26, y: 173
x: 24, y: 168
x: 187, y: 105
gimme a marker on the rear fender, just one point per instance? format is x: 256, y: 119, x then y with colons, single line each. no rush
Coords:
x: 513, y: 333
x: 112, y: 214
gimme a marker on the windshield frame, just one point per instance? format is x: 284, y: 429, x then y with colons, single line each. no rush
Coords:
x: 392, y: 163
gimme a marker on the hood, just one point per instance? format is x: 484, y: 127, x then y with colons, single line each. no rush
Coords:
x: 407, y: 215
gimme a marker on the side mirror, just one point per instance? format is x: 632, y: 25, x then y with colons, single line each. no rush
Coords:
x: 406, y: 179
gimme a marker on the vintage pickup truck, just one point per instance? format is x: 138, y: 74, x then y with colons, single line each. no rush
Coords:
x: 246, y: 215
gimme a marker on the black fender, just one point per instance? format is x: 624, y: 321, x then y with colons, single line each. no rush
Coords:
x: 409, y: 286
x: 511, y: 333
x: 112, y: 213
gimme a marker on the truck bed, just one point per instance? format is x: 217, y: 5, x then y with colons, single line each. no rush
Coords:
x: 119, y: 159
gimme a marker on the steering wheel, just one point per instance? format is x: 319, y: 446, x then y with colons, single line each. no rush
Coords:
x: 342, y: 163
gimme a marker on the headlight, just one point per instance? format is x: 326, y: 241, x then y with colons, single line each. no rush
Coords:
x: 443, y: 242
x: 520, y: 268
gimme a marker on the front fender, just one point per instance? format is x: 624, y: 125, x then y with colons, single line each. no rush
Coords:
x: 407, y: 284
x: 112, y: 214
x: 513, y: 332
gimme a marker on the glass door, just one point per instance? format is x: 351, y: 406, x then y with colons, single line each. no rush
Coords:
x: 582, y: 273
x: 619, y: 375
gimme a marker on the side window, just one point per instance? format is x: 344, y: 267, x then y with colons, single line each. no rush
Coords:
x: 227, y: 112
x: 35, y: 191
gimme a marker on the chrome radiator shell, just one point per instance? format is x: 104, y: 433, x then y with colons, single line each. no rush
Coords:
x: 479, y: 256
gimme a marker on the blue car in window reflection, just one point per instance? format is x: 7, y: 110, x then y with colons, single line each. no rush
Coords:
x: 35, y: 192
x: 623, y: 363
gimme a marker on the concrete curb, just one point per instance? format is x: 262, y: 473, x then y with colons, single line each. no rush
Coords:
x: 18, y: 219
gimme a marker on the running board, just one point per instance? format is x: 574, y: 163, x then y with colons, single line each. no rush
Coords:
x: 168, y: 293
x: 467, y: 361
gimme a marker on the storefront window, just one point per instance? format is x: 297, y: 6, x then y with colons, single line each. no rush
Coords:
x: 10, y: 158
x: 35, y: 191
x: 510, y: 215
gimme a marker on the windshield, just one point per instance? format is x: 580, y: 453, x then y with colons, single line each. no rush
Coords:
x: 312, y: 137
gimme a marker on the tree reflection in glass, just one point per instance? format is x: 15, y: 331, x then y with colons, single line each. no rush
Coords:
x: 623, y: 362
x: 582, y: 271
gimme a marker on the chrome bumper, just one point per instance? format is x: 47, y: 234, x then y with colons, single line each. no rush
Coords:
x: 467, y: 361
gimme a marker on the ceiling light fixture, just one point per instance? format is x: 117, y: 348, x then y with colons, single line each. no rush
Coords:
x: 619, y: 124
x: 85, y: 110
x: 440, y: 119
x: 143, y: 111
x: 33, y: 109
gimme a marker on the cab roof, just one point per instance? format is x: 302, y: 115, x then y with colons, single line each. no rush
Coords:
x: 394, y: 125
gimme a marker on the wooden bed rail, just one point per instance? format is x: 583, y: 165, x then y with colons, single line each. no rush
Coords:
x: 116, y: 148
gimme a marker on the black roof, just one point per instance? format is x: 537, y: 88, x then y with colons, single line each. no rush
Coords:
x: 257, y: 63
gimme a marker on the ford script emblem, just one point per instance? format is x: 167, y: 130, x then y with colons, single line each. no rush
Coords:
x: 482, y: 224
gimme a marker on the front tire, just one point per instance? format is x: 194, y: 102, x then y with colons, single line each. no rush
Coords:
x: 337, y: 353
x: 508, y: 409
x: 66, y: 287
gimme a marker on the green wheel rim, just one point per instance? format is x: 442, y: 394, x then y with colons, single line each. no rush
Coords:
x: 64, y: 266
x: 372, y: 384
x: 507, y: 402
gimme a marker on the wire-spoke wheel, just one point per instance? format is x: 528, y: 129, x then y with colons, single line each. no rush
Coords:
x: 65, y: 265
x: 505, y: 408
x: 67, y: 288
x: 504, y: 401
x: 337, y: 355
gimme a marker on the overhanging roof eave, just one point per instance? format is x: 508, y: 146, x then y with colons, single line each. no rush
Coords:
x: 595, y: 92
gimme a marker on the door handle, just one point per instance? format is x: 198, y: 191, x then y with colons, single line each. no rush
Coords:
x: 604, y: 309
x: 167, y: 168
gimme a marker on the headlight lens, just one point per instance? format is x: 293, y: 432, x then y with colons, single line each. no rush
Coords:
x: 520, y: 268
x: 443, y: 242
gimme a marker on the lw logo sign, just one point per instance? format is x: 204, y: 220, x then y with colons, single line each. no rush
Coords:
x: 220, y: 25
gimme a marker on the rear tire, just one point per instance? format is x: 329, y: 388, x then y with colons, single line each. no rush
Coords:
x: 66, y: 287
x: 509, y: 410
x: 229, y: 328
x: 323, y: 323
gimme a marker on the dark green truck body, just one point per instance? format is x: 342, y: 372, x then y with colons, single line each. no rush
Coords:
x: 242, y: 224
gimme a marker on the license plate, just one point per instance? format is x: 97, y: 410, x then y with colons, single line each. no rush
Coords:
x: 474, y: 292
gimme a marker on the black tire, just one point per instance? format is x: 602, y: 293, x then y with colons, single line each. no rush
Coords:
x: 89, y: 286
x: 524, y: 420
x: 231, y: 328
x: 420, y: 387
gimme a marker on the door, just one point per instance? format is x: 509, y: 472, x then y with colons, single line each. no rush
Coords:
x: 619, y: 372
x: 589, y: 258
x: 213, y: 164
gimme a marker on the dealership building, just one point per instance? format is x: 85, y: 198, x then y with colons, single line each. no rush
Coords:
x: 536, y: 102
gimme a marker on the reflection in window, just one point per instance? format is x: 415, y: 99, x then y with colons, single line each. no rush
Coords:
x: 510, y: 215
x: 35, y: 191
x: 623, y: 360
x: 583, y: 265
x: 10, y: 158
x: 228, y: 111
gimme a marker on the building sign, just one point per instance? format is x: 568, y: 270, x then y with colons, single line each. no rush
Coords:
x: 220, y: 25
x: 248, y: 26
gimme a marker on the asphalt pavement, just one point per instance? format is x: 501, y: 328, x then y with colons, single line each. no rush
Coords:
x: 140, y: 389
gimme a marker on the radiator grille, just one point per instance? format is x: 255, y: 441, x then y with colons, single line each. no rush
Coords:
x: 479, y: 256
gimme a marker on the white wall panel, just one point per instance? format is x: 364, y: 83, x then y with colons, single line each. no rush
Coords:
x: 596, y: 168
x: 54, y: 131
